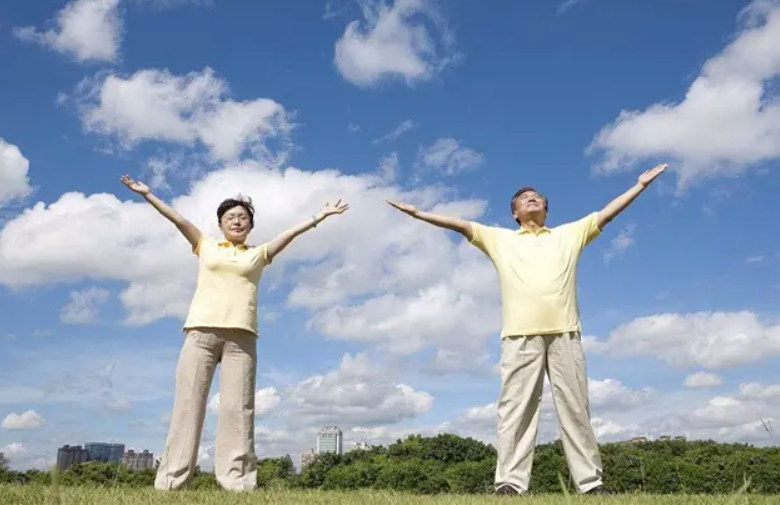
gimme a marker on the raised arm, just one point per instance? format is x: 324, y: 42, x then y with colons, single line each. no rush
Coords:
x: 282, y: 240
x: 189, y: 230
x: 617, y: 205
x: 451, y: 223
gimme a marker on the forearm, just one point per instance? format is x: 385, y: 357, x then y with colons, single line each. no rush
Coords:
x: 163, y: 208
x: 283, y: 239
x: 189, y: 230
x: 619, y: 204
x: 451, y: 223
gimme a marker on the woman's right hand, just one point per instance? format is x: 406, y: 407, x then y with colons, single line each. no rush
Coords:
x: 135, y: 186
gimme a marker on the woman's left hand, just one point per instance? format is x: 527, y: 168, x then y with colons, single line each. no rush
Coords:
x: 338, y: 208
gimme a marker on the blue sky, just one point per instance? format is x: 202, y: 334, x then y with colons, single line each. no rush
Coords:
x: 375, y: 322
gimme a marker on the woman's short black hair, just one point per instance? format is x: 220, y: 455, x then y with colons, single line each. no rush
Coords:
x: 239, y: 201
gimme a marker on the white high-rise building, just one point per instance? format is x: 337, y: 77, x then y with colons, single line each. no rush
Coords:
x: 329, y: 440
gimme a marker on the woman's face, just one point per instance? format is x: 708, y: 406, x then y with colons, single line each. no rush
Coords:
x: 236, y: 225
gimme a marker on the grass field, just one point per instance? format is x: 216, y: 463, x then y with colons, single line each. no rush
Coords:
x: 39, y: 495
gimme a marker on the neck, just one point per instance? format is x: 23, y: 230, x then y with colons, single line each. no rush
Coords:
x: 532, y: 225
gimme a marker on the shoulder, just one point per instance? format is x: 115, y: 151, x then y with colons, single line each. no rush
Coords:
x: 206, y: 243
x: 483, y: 234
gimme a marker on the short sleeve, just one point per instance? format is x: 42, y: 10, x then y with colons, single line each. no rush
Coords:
x: 484, y: 238
x: 262, y: 252
x: 583, y: 232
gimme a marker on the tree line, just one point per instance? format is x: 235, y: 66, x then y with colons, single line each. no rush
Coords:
x: 451, y: 464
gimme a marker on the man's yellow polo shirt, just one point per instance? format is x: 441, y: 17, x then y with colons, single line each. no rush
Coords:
x: 226, y: 294
x: 538, y: 274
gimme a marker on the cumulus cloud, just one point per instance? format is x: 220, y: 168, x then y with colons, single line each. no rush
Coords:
x: 86, y: 30
x: 449, y: 156
x: 702, y: 380
x: 729, y: 119
x: 712, y: 340
x: 388, y: 168
x: 408, y: 39
x: 14, y: 167
x: 155, y: 105
x: 84, y: 306
x: 27, y: 420
x: 266, y: 401
x: 358, y: 392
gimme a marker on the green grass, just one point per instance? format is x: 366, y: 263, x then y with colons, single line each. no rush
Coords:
x: 39, y: 495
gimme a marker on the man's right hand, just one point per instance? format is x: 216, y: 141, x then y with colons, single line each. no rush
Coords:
x: 135, y: 186
x: 405, y: 208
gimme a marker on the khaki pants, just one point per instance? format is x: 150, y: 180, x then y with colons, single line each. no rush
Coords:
x: 524, y: 361
x: 234, y: 462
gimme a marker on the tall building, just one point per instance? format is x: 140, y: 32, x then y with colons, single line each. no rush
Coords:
x: 106, y: 453
x: 307, y: 458
x: 68, y: 456
x: 138, y: 460
x: 329, y: 440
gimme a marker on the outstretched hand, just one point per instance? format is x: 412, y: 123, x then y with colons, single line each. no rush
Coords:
x: 135, y: 186
x: 404, y: 207
x: 649, y: 176
x: 338, y: 208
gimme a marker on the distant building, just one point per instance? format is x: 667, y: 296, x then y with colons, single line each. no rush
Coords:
x: 639, y: 440
x: 307, y: 458
x: 680, y: 438
x: 105, y: 453
x: 138, y: 460
x: 360, y: 446
x: 329, y: 440
x: 664, y: 438
x: 68, y: 456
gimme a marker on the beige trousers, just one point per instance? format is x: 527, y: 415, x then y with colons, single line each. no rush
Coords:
x: 234, y: 462
x: 524, y: 361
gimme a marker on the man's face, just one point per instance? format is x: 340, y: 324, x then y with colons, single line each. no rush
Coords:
x: 530, y: 203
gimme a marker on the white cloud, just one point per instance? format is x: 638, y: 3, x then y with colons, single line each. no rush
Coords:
x: 14, y: 449
x: 358, y: 392
x: 84, y: 306
x: 27, y: 420
x: 170, y: 4
x: 87, y: 30
x: 746, y: 415
x: 187, y: 109
x: 702, y: 380
x: 408, y: 39
x: 754, y: 259
x: 397, y: 132
x: 266, y: 401
x: 611, y: 395
x: 729, y: 119
x: 448, y: 156
x: 620, y: 244
x: 14, y: 167
x: 711, y: 340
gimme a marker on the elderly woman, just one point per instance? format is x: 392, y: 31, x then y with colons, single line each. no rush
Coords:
x: 221, y: 327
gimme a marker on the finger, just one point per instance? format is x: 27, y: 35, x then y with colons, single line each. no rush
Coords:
x: 338, y: 202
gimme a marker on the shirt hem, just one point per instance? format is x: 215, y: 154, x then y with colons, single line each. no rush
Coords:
x: 192, y: 326
x: 555, y: 331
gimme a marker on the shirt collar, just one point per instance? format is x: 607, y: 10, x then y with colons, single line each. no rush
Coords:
x: 227, y: 243
x: 525, y: 231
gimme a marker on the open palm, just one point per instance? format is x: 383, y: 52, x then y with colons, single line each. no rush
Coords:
x: 404, y: 207
x: 337, y: 208
x: 650, y: 175
x: 135, y: 186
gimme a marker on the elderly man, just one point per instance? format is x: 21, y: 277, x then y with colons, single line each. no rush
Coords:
x: 537, y: 270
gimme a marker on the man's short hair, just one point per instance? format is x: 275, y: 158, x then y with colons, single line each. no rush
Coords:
x: 527, y: 189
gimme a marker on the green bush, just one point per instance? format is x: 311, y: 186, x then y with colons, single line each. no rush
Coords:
x: 447, y: 463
